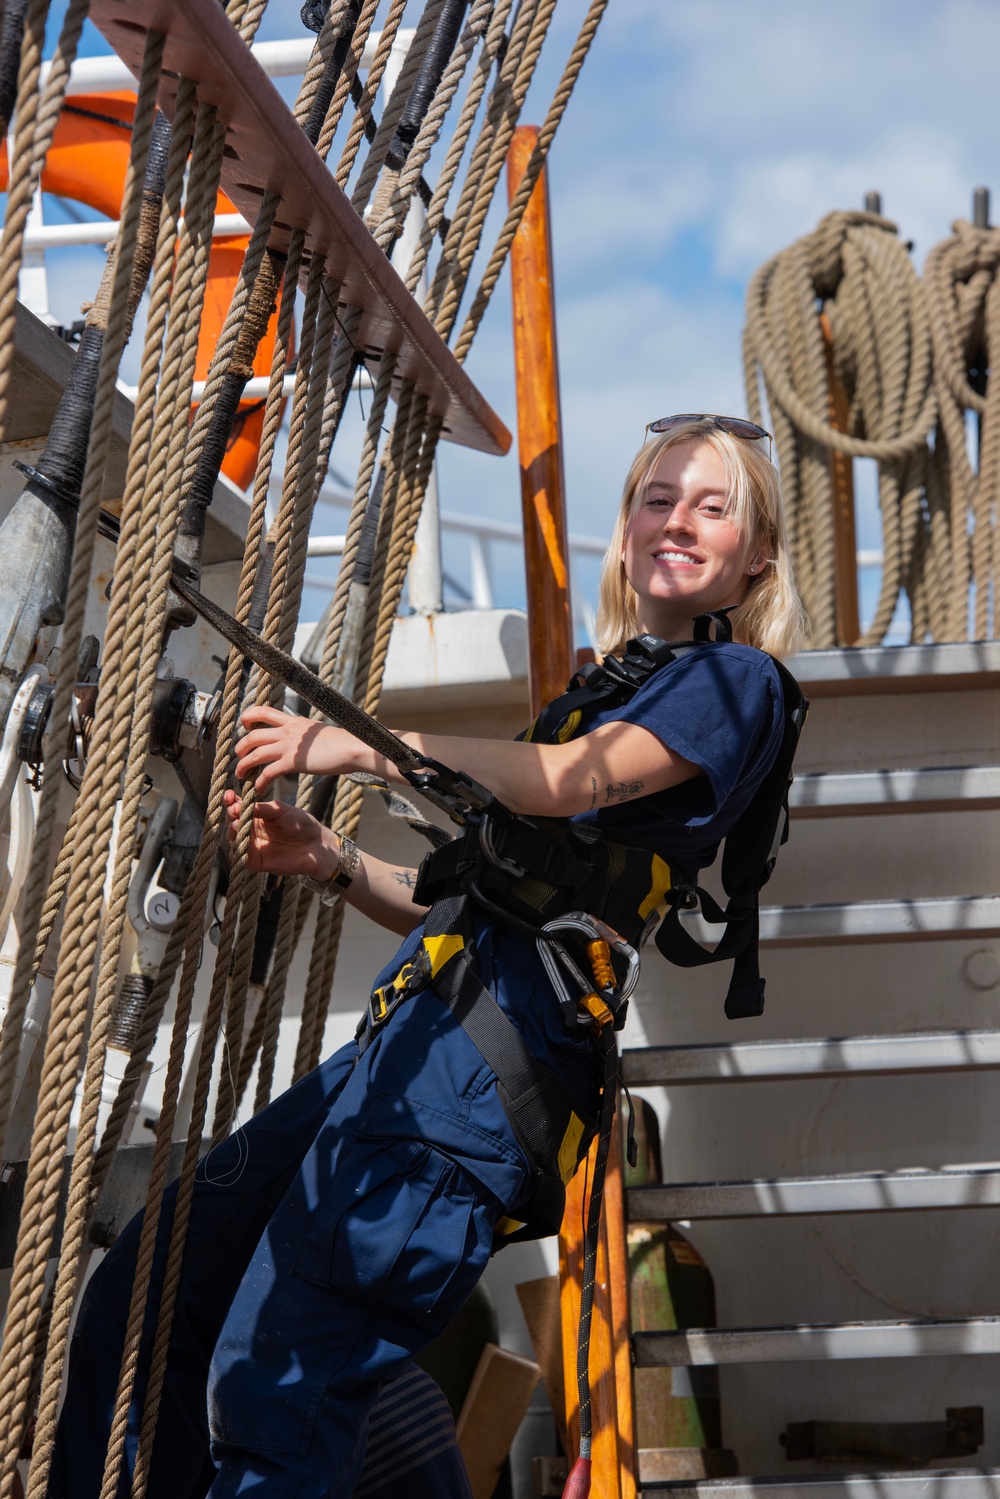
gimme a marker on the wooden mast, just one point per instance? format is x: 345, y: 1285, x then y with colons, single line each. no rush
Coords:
x: 539, y: 436
x: 550, y: 640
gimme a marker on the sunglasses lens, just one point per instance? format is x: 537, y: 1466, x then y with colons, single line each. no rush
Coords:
x: 668, y: 423
x: 736, y: 427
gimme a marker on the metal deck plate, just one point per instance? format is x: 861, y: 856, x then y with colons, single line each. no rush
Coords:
x: 817, y: 1341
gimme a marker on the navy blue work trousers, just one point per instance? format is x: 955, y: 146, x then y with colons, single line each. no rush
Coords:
x: 330, y: 1240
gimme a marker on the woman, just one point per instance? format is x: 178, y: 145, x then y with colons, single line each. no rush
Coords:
x: 376, y: 1185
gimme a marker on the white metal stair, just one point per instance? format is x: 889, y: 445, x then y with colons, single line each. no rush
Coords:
x: 930, y: 1483
x: 862, y: 793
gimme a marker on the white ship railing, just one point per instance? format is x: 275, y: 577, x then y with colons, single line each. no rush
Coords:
x: 478, y: 592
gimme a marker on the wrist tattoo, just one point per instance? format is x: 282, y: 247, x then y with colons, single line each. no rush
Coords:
x: 622, y: 792
x: 593, y: 792
x: 407, y: 877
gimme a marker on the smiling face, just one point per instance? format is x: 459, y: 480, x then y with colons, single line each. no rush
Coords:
x: 683, y: 553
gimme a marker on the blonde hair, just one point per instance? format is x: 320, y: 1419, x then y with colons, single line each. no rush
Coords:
x: 771, y: 616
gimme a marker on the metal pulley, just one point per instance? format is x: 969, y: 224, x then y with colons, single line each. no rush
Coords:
x: 183, y: 717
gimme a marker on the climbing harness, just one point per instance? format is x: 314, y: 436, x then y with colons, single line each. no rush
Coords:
x: 540, y: 878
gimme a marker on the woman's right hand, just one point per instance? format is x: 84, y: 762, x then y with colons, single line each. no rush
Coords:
x: 285, y: 839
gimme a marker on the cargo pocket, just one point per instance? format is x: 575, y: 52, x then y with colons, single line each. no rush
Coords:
x: 404, y: 1232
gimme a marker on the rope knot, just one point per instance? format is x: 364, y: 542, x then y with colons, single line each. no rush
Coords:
x: 825, y: 246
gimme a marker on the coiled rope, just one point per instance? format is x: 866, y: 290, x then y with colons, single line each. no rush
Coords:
x: 856, y: 270
x: 963, y: 300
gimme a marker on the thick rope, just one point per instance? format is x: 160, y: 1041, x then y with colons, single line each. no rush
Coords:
x: 123, y: 295
x: 492, y: 46
x: 503, y: 109
x: 80, y: 925
x: 136, y: 687
x: 960, y: 277
x: 366, y: 102
x: 36, y: 117
x: 379, y: 150
x: 389, y: 224
x: 856, y: 265
x: 532, y: 171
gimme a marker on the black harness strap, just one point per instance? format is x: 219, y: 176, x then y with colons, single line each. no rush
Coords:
x: 549, y: 1127
x: 751, y: 849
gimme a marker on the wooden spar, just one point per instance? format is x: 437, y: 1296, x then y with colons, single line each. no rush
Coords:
x: 543, y: 486
x: 845, y: 561
x: 615, y: 1459
x: 614, y: 1252
x: 543, y: 505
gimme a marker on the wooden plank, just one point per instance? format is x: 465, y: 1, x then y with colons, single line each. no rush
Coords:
x: 570, y: 1280
x: 267, y: 151
x: 494, y: 1408
x: 539, y: 429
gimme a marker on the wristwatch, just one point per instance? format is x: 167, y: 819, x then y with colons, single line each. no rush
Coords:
x: 330, y: 891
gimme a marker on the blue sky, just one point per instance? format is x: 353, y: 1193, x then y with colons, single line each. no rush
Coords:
x: 703, y: 136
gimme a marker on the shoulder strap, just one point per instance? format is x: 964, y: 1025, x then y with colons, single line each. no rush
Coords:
x: 749, y: 857
x: 618, y: 678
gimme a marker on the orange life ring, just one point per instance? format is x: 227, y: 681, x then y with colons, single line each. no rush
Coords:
x: 88, y: 161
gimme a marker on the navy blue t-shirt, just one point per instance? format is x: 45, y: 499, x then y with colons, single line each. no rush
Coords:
x: 721, y: 707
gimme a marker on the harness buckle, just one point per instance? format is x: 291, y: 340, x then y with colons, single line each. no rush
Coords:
x: 410, y: 979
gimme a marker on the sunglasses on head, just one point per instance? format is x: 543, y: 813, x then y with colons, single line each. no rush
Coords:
x: 734, y: 425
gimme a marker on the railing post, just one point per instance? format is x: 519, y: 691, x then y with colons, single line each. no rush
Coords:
x: 543, y: 486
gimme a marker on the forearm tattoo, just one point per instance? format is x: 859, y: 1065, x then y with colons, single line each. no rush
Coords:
x: 407, y: 877
x: 623, y: 792
x: 593, y: 792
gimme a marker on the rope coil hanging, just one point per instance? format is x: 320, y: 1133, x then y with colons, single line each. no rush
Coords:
x: 856, y: 271
x: 963, y: 299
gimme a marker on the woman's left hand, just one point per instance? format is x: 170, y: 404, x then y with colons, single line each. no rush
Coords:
x: 284, y: 839
x: 281, y: 744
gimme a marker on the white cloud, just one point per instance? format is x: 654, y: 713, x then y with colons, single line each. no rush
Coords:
x: 781, y: 197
